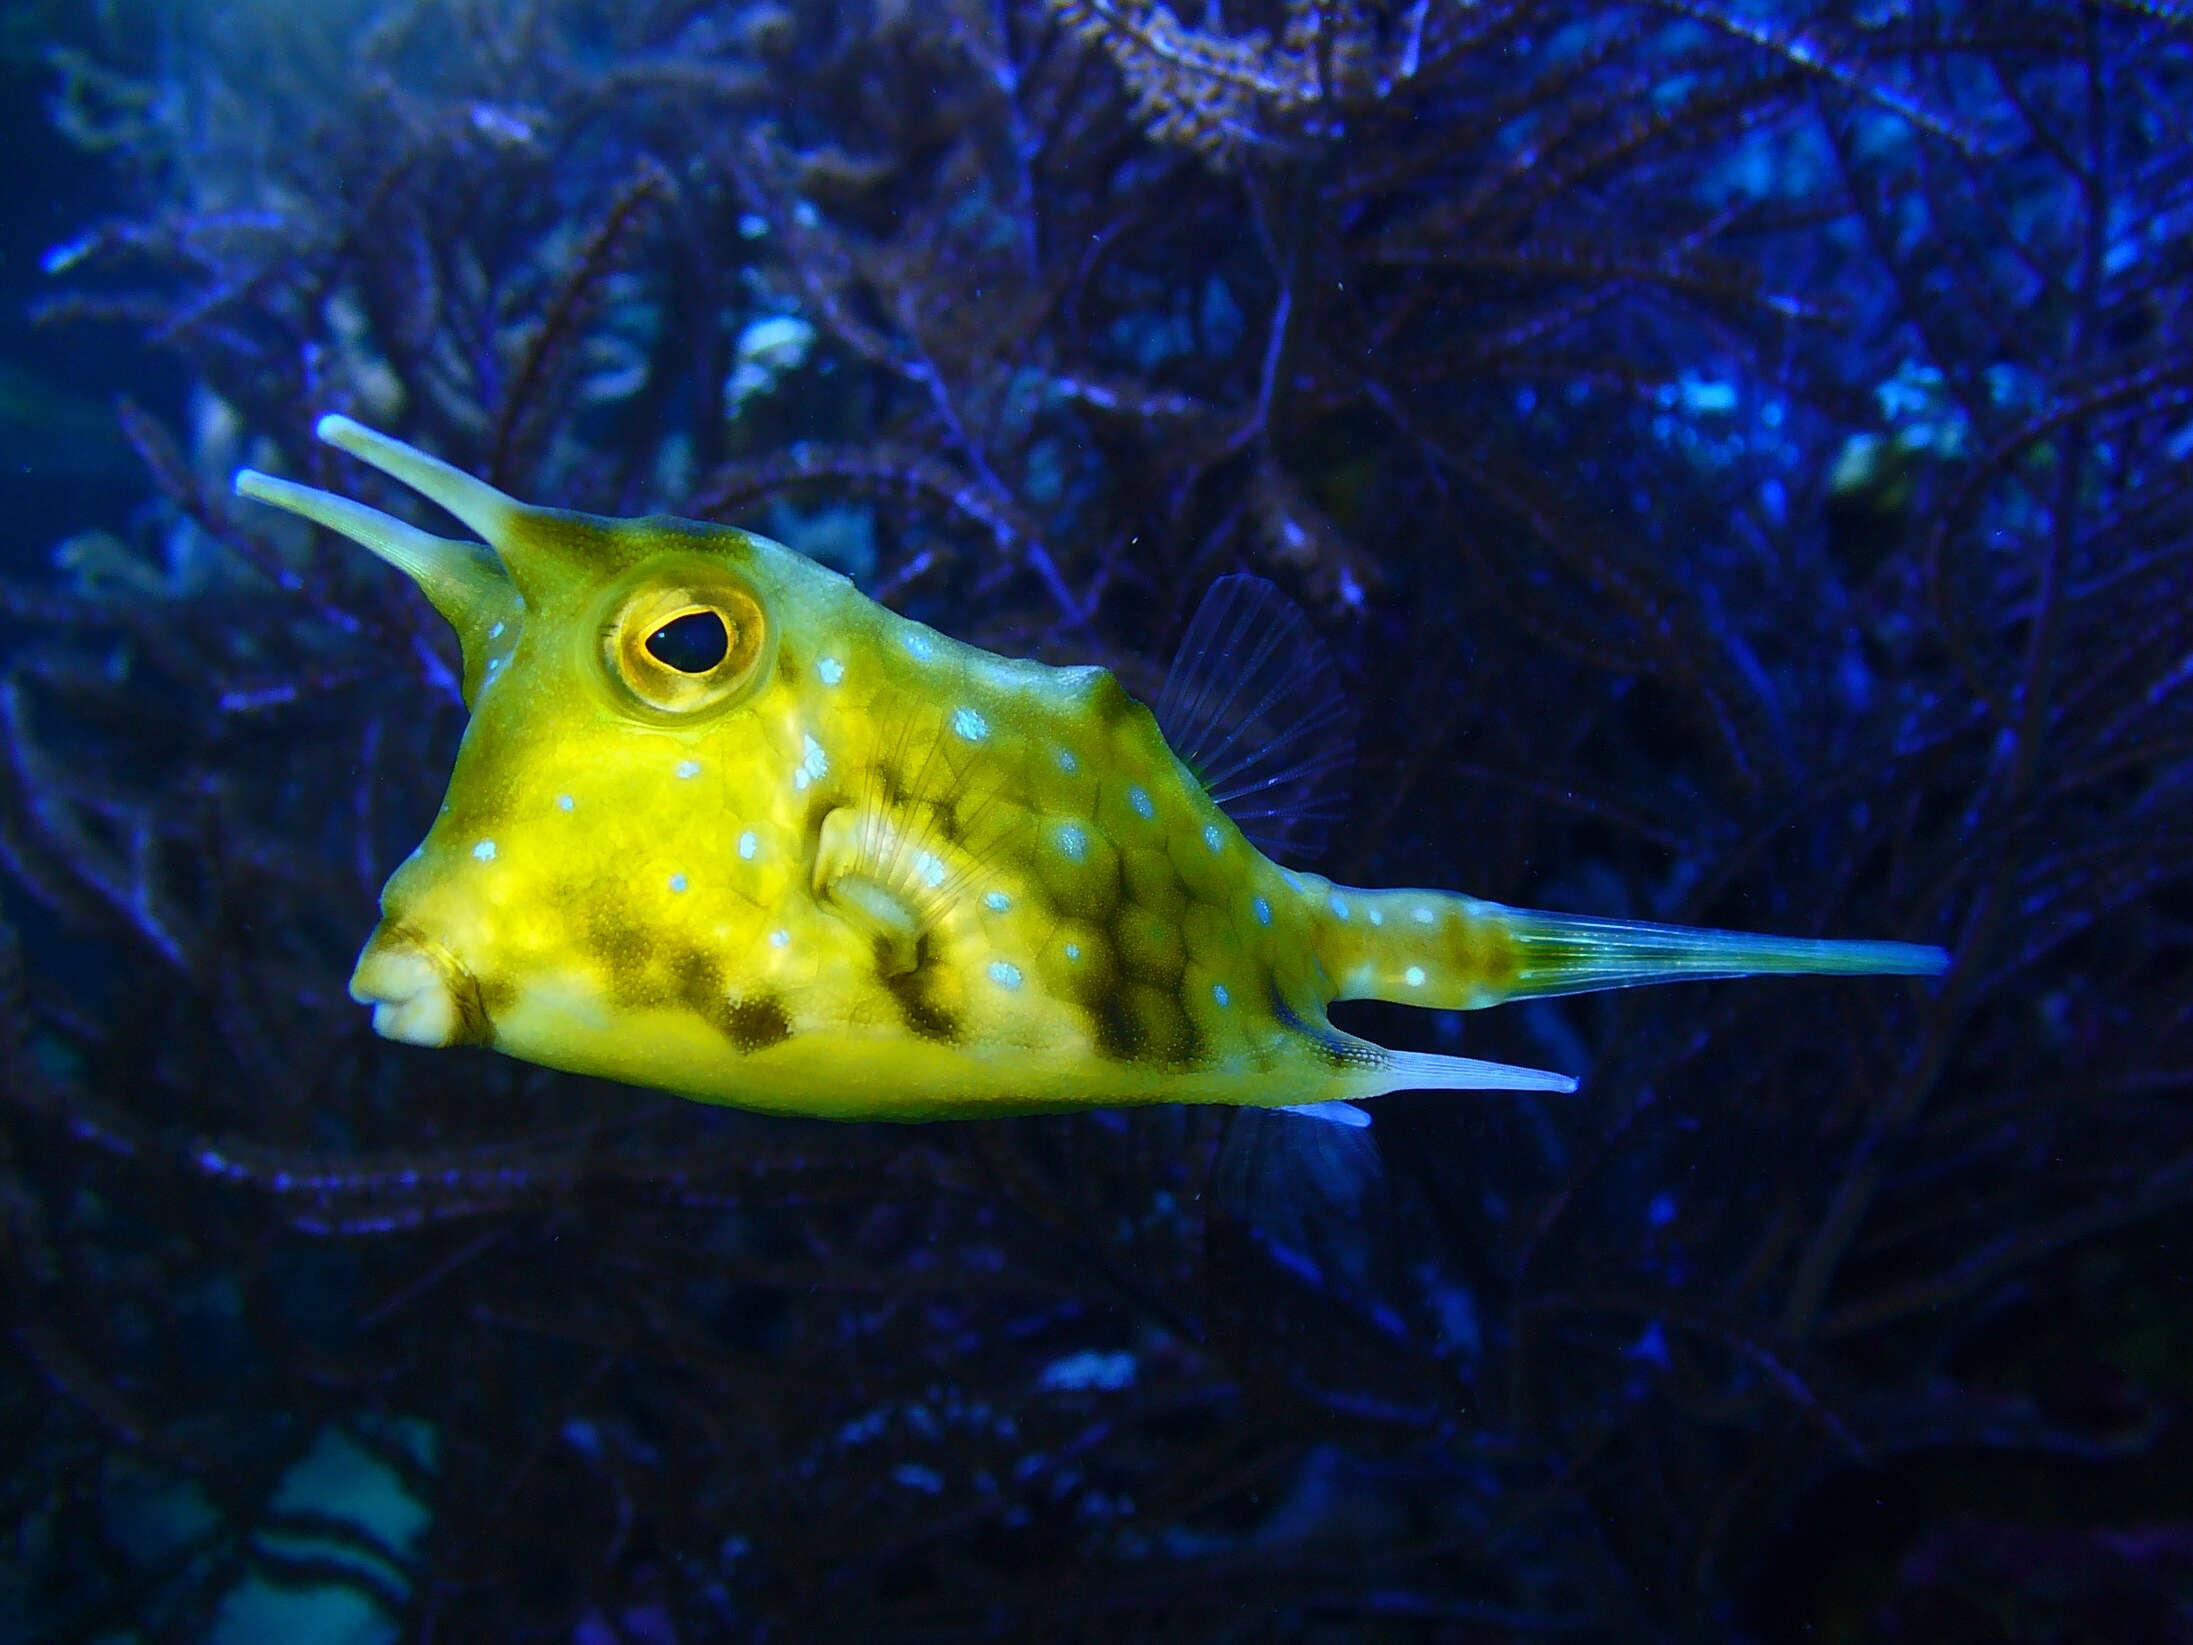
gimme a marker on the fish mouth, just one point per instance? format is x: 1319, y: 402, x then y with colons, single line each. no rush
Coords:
x: 420, y: 993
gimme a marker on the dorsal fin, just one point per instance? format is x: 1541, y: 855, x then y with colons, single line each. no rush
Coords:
x: 1253, y: 706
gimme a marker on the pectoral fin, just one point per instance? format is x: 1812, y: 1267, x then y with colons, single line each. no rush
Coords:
x: 845, y: 883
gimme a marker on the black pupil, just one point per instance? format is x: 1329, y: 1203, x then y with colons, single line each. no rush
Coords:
x: 691, y: 644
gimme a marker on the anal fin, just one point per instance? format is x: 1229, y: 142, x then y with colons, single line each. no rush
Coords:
x: 1331, y: 1113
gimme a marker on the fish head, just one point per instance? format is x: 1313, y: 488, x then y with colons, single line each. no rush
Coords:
x: 627, y: 716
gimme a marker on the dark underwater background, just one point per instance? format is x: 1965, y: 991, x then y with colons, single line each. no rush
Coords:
x: 1738, y: 453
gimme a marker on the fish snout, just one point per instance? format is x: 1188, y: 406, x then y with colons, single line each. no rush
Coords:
x: 420, y: 992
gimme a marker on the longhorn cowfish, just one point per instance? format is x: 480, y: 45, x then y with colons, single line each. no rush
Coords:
x: 722, y: 825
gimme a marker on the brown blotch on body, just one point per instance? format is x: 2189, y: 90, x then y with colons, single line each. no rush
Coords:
x: 1138, y: 1023
x: 914, y: 990
x: 644, y: 971
x: 1169, y: 1033
x: 627, y: 956
x: 494, y: 996
x: 1111, y: 1024
x: 755, y: 1023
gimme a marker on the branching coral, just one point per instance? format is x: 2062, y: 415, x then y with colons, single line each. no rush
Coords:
x: 1740, y: 454
x: 1227, y: 95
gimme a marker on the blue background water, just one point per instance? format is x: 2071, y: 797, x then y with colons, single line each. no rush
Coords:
x: 1737, y: 454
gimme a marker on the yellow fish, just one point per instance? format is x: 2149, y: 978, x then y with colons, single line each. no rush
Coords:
x: 722, y: 825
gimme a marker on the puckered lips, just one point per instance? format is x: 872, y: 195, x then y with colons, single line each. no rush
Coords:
x: 420, y: 993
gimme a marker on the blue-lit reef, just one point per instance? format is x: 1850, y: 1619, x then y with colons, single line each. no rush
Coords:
x: 1738, y: 452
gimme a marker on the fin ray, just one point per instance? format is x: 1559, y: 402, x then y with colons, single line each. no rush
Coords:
x: 1576, y: 954
x: 1429, y: 1071
x: 1252, y: 705
x: 898, y: 842
x: 1330, y: 1113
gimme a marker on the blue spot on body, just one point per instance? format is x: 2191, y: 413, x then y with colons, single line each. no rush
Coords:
x: 996, y: 901
x: 1212, y: 837
x: 1218, y: 993
x: 830, y: 670
x: 677, y: 882
x: 813, y: 763
x: 1005, y: 974
x: 971, y: 726
x: 1073, y: 842
x: 1141, y: 802
x: 1263, y: 911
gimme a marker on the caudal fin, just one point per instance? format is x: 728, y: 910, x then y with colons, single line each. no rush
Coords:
x: 1450, y: 952
x: 1574, y: 954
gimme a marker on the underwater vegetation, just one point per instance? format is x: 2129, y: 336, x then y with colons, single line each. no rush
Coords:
x: 1739, y: 456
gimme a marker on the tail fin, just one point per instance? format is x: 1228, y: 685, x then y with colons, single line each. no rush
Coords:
x: 1437, y: 949
x: 1574, y: 954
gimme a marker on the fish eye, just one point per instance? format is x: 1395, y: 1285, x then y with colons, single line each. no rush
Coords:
x: 692, y: 639
x: 692, y: 642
